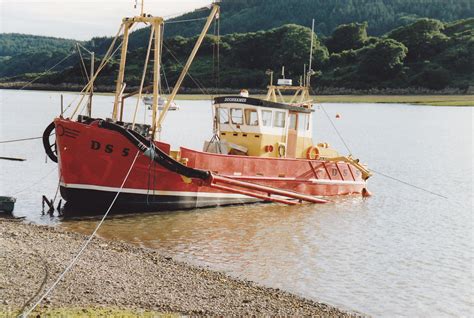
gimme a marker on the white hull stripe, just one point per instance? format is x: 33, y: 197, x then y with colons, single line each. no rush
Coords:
x: 155, y: 192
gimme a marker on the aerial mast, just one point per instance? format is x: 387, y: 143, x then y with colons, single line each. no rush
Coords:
x: 310, y: 70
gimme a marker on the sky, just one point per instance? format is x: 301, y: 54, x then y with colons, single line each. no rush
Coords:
x: 81, y: 19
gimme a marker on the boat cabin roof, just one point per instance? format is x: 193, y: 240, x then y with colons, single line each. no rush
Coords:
x: 261, y: 103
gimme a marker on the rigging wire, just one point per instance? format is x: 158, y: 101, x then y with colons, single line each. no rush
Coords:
x: 84, y: 246
x: 83, y: 69
x: 182, y: 21
x: 22, y: 139
x: 104, y: 61
x: 48, y: 70
x: 198, y: 84
x: 335, y: 128
x: 409, y: 184
x: 377, y: 172
x: 36, y: 182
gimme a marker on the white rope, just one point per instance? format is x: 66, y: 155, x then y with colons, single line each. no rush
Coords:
x: 74, y: 260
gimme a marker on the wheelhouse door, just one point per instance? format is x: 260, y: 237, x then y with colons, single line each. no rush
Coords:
x: 292, y: 135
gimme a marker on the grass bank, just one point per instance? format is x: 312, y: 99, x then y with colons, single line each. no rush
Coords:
x: 431, y: 100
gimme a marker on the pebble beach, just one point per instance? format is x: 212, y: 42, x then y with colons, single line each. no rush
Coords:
x: 122, y: 278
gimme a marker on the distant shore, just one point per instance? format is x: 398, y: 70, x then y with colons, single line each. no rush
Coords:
x: 114, y: 278
x: 415, y: 96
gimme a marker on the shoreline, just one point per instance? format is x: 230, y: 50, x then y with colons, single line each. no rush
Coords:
x: 115, y: 278
x: 451, y: 98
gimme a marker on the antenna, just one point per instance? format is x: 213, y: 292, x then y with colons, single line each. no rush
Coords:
x: 310, y: 70
x: 141, y: 7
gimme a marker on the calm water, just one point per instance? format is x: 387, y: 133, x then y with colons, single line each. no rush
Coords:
x: 402, y: 252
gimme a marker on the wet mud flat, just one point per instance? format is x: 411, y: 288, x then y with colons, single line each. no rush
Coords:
x: 120, y: 276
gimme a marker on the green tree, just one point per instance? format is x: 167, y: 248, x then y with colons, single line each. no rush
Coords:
x: 347, y: 36
x: 383, y: 60
x: 423, y: 38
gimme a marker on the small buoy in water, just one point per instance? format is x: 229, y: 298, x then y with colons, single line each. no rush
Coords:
x: 366, y: 193
x: 338, y: 116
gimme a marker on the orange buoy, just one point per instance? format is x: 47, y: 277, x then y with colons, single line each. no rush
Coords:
x: 338, y: 116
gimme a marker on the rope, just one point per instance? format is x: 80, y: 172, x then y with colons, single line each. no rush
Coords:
x: 36, y: 182
x: 200, y: 86
x: 43, y: 74
x: 337, y: 131
x: 48, y: 70
x: 380, y: 173
x: 187, y: 20
x: 145, y: 66
x: 22, y: 139
x: 409, y: 184
x: 84, y: 246
x: 104, y: 61
x: 83, y: 69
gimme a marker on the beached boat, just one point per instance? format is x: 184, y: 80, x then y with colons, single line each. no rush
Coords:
x: 262, y: 150
x: 7, y: 204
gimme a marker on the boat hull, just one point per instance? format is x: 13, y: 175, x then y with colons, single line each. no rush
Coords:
x: 93, y: 163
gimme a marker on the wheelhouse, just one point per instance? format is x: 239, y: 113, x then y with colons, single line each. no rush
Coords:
x: 263, y: 128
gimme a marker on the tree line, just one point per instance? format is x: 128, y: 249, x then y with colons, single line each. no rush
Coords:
x: 424, y: 53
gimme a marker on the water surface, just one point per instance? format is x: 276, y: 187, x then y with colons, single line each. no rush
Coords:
x: 402, y: 252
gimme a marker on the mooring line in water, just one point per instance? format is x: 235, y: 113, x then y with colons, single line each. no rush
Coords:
x: 379, y: 173
x: 409, y: 184
x: 22, y: 139
x: 36, y: 182
x: 335, y: 128
x: 84, y: 246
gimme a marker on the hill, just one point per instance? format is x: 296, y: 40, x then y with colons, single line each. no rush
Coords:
x: 426, y: 54
x: 23, y: 53
x: 381, y: 15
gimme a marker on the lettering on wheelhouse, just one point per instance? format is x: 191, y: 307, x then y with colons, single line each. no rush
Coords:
x: 108, y: 148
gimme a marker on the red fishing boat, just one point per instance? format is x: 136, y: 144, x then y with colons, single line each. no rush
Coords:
x: 262, y: 149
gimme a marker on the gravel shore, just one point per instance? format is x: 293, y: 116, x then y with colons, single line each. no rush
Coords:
x: 117, y: 275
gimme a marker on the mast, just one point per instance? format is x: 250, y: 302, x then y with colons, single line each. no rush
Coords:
x: 157, y: 124
x: 123, y: 58
x: 156, y: 72
x: 310, y: 70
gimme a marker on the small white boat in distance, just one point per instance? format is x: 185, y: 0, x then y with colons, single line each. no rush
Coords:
x: 148, y: 101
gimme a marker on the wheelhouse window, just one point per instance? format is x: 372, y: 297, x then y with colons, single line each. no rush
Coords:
x: 279, y: 119
x: 223, y: 115
x: 267, y: 118
x: 303, y: 122
x: 292, y: 124
x: 237, y: 116
x: 251, y: 117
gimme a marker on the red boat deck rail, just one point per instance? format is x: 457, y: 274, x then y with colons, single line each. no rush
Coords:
x: 260, y: 191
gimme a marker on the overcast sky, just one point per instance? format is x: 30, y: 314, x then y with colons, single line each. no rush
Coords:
x: 81, y: 19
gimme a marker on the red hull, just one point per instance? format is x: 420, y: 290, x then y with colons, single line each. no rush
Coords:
x: 93, y: 163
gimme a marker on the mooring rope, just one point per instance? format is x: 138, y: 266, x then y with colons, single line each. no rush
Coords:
x: 84, y: 246
x: 36, y: 182
x: 409, y: 184
x: 335, y: 128
x: 379, y: 173
x: 22, y: 139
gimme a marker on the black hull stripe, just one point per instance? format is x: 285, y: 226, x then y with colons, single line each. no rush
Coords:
x: 93, y: 202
